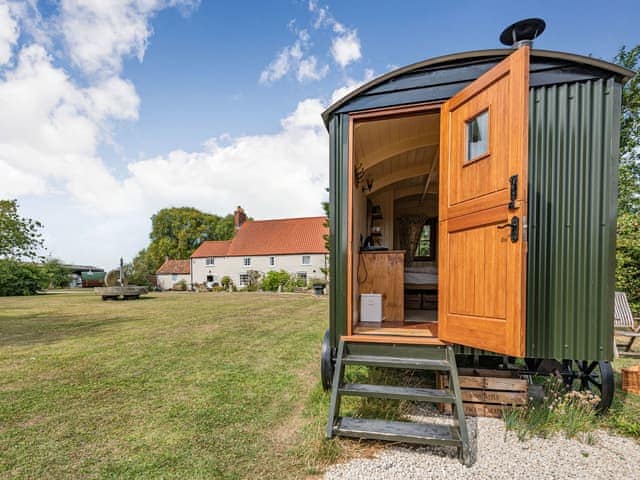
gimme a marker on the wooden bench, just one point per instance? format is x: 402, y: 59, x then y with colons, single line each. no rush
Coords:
x: 624, y: 326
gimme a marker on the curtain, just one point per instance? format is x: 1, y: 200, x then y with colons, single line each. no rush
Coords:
x: 410, y: 231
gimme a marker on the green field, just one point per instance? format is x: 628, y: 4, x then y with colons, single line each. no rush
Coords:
x: 176, y: 385
x: 179, y: 385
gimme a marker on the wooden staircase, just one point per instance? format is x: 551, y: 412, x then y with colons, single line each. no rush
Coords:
x: 438, y: 358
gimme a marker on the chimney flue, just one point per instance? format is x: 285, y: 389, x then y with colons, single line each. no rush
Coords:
x: 239, y: 217
x: 523, y: 32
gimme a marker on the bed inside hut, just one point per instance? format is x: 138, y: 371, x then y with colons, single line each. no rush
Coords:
x: 394, y: 211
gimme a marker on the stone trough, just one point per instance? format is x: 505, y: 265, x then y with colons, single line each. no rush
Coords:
x: 128, y: 292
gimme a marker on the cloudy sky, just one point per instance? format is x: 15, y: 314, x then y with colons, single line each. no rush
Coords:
x: 113, y: 109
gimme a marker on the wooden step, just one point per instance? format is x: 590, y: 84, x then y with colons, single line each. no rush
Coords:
x: 420, y: 433
x: 397, y: 393
x: 397, y: 362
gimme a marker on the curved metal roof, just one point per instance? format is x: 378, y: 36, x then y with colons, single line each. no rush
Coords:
x: 624, y: 73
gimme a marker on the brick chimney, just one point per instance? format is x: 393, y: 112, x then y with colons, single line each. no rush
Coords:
x: 239, y: 217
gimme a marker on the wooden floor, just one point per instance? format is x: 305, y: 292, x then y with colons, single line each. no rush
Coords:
x: 420, y: 315
x: 425, y: 329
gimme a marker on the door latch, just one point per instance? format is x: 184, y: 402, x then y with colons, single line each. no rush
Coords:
x: 513, y: 191
x: 514, y: 224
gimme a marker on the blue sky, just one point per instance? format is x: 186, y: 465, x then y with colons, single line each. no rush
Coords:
x: 113, y: 110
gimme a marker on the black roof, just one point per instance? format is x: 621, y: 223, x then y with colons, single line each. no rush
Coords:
x: 476, y: 57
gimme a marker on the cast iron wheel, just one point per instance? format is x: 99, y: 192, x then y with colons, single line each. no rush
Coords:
x: 326, y: 362
x: 533, y: 364
x: 594, y: 376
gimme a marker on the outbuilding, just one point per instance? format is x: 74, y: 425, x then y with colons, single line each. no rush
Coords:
x: 475, y: 193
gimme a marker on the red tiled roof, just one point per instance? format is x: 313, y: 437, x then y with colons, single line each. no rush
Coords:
x: 212, y: 248
x: 270, y: 237
x: 175, y: 266
x: 282, y: 236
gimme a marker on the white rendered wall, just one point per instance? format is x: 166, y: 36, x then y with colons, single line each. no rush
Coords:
x: 234, y: 266
x: 165, y: 282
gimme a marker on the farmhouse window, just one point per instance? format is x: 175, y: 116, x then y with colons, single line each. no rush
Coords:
x: 247, y: 261
x: 306, y: 260
x: 211, y: 261
x: 244, y: 279
x: 272, y: 261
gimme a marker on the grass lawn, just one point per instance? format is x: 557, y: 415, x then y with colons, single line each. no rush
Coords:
x: 182, y: 385
x: 174, y: 385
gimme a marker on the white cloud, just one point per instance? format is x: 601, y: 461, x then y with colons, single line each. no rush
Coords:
x: 99, y: 33
x: 9, y: 32
x: 308, y: 70
x: 278, y: 68
x: 323, y: 17
x: 51, y: 129
x: 293, y: 58
x: 114, y: 97
x: 345, y: 47
x: 288, y: 170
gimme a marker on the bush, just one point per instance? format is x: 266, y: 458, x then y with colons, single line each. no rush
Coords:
x: 572, y: 412
x: 273, y: 280
x: 56, y: 275
x: 180, y: 286
x: 628, y: 258
x: 225, y: 282
x: 18, y: 278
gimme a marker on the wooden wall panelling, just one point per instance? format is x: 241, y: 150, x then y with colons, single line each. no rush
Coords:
x: 383, y: 272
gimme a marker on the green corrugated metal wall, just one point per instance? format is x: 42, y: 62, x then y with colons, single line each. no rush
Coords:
x: 338, y: 201
x: 573, y: 163
x: 573, y: 158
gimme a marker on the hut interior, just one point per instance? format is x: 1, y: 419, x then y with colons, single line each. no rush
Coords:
x: 395, y: 161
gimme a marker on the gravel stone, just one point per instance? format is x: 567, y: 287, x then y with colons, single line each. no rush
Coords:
x: 499, y: 455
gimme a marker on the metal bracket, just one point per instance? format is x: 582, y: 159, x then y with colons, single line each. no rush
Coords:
x: 513, y: 191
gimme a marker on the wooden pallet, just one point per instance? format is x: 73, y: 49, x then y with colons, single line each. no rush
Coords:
x: 486, y: 393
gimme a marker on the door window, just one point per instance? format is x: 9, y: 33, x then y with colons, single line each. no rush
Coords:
x: 478, y: 136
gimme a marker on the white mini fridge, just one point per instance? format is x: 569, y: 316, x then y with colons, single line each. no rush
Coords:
x: 371, y: 307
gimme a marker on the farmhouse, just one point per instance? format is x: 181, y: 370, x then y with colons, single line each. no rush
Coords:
x: 295, y: 245
x: 172, y: 272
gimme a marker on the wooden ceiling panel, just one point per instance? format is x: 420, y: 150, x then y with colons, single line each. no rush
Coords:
x: 378, y: 140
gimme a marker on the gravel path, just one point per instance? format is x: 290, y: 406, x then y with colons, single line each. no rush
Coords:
x: 500, y: 455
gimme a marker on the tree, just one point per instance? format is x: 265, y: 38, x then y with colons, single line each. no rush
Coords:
x: 141, y: 270
x: 20, y: 237
x: 325, y: 207
x: 629, y: 176
x: 55, y: 274
x: 176, y: 233
x: 19, y: 278
x: 327, y: 236
x: 628, y: 243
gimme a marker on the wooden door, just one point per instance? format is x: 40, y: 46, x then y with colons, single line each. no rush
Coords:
x: 482, y: 259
